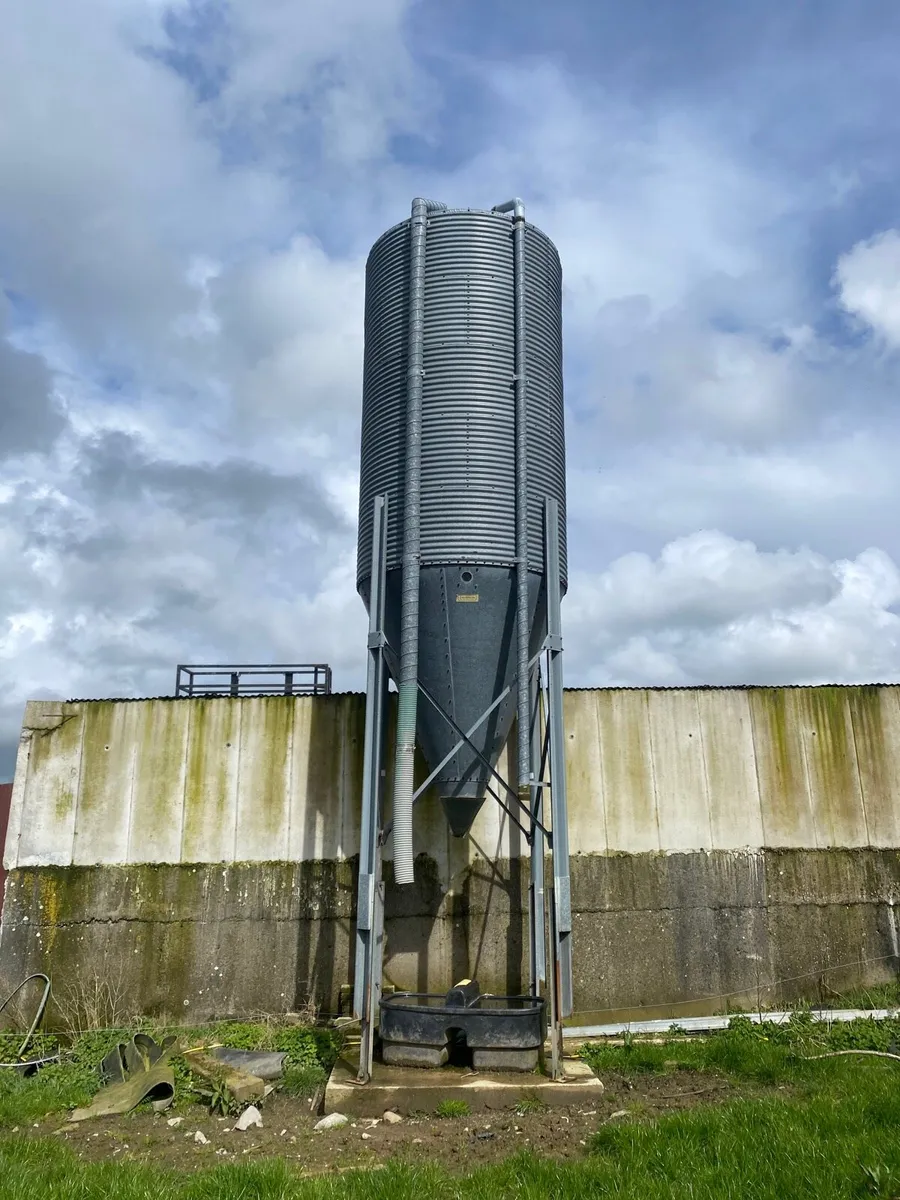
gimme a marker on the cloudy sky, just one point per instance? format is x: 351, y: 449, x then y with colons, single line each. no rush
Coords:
x: 188, y: 191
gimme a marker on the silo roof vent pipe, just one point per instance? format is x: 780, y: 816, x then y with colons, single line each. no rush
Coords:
x: 408, y: 683
x: 515, y: 206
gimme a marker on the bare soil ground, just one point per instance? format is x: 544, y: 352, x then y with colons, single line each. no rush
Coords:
x: 459, y: 1143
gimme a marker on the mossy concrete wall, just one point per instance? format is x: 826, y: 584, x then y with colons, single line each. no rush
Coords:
x: 202, y: 853
x: 5, y: 798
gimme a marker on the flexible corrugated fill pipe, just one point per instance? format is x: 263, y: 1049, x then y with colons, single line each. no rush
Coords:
x: 408, y: 683
x: 520, y: 377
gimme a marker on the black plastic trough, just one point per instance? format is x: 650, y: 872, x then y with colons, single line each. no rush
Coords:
x: 417, y: 1028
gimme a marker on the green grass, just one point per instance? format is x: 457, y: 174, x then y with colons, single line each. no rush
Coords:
x: 883, y: 995
x: 40, y: 1044
x: 824, y: 1130
x: 878, y: 995
x: 449, y: 1109
x: 303, y: 1081
x: 830, y: 1144
x: 766, y: 1054
x: 838, y: 1143
x: 55, y: 1089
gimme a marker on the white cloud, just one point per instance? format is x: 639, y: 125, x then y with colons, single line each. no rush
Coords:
x: 641, y: 203
x: 348, y: 65
x: 705, y: 576
x: 291, y: 336
x: 711, y: 609
x: 103, y: 178
x: 836, y: 493
x: 868, y: 277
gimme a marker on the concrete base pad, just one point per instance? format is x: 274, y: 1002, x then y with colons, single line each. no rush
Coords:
x: 416, y: 1089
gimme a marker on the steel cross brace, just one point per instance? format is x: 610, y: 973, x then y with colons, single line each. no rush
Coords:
x: 498, y: 778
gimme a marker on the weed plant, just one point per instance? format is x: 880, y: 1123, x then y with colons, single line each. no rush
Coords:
x: 529, y: 1105
x: 452, y: 1109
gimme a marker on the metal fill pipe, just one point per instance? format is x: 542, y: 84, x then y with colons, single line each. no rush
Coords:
x: 408, y: 683
x: 520, y: 377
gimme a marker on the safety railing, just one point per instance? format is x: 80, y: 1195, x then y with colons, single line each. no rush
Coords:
x: 244, y: 679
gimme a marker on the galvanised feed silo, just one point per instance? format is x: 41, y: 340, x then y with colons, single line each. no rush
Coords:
x: 462, y: 565
x: 462, y: 430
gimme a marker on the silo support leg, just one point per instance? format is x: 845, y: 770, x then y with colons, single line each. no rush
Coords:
x: 561, y: 905
x: 536, y: 912
x: 370, y: 895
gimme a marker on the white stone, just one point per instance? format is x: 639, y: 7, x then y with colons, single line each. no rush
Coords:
x: 332, y: 1121
x: 250, y: 1116
x: 200, y: 1138
x: 392, y: 1118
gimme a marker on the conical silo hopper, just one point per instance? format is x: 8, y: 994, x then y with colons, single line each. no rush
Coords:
x: 462, y: 387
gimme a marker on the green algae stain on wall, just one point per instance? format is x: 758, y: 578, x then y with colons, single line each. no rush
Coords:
x: 875, y: 713
x: 781, y: 768
x: 827, y: 733
x: 111, y: 735
x: 265, y: 777
x: 584, y: 776
x: 353, y: 725
x: 48, y: 892
x: 735, y: 814
x: 626, y: 767
x: 54, y: 752
x: 316, y: 828
x: 99, y: 740
x: 774, y: 705
x: 211, y: 779
x: 326, y: 775
x: 160, y: 770
x: 326, y: 752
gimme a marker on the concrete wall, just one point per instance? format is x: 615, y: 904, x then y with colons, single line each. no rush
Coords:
x: 724, y: 841
x: 5, y: 798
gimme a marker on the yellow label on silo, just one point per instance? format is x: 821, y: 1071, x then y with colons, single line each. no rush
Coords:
x: 464, y: 598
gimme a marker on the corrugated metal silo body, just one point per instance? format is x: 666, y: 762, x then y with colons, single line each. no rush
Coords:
x: 467, y: 623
